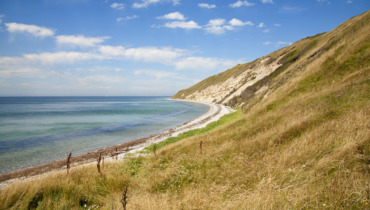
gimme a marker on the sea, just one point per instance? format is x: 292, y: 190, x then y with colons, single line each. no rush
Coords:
x: 38, y: 130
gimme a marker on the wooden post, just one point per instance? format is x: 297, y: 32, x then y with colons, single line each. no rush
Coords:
x: 69, y: 162
x: 98, y: 165
x: 116, y: 153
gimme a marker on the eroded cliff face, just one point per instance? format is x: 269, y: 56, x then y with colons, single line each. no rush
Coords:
x: 223, y: 92
x: 248, y: 84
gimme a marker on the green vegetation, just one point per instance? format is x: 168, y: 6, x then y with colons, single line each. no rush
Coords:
x: 303, y: 142
x: 211, y: 126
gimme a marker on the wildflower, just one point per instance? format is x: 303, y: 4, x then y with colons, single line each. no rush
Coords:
x: 324, y: 204
x: 304, y: 166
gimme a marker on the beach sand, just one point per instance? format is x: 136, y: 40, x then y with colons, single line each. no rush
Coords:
x: 119, y: 151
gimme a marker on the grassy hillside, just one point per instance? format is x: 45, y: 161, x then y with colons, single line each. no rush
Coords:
x: 302, y: 143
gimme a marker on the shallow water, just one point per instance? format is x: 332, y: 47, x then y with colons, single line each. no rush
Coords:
x: 36, y: 130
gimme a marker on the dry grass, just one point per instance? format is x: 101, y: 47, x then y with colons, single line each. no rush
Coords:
x: 306, y: 145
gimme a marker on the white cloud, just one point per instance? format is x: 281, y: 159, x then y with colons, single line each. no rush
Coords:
x: 219, y: 26
x: 127, y: 18
x: 266, y: 31
x: 277, y: 25
x: 172, y: 16
x: 80, y: 40
x: 1, y: 18
x: 100, y: 80
x: 204, y: 63
x: 61, y: 57
x: 20, y: 71
x: 176, y: 2
x: 207, y: 6
x: 145, y: 3
x: 216, y: 26
x: 240, y: 3
x: 157, y: 74
x: 163, y: 55
x: 349, y: 2
x: 261, y: 25
x: 131, y: 17
x: 183, y: 24
x: 236, y: 22
x: 266, y: 43
x: 118, y: 6
x: 267, y: 1
x: 32, y: 29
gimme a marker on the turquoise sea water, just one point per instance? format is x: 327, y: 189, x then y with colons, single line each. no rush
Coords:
x: 36, y: 130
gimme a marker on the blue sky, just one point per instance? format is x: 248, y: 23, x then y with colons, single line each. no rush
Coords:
x: 146, y: 47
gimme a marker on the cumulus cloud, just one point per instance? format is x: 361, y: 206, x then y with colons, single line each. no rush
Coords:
x: 163, y: 55
x: 261, y: 25
x: 145, y: 3
x: 37, y: 31
x: 266, y: 43
x: 219, y: 26
x: 267, y: 1
x: 207, y: 6
x: 236, y: 22
x: 240, y: 3
x: 61, y: 57
x: 266, y: 31
x: 127, y: 18
x: 172, y: 16
x: 118, y: 6
x: 277, y: 25
x: 216, y: 26
x: 80, y: 40
x: 131, y: 17
x: 183, y: 24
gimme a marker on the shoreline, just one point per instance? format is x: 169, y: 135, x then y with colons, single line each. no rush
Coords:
x: 119, y: 151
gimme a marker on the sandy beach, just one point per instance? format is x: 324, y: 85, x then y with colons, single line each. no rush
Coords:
x: 214, y: 112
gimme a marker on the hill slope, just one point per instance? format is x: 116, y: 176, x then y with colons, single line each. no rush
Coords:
x: 303, y: 142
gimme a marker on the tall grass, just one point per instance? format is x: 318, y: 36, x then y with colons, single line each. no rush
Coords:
x: 304, y: 145
x: 211, y: 126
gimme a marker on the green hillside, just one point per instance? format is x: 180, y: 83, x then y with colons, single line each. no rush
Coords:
x: 303, y: 142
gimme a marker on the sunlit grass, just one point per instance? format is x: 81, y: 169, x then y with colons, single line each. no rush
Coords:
x: 306, y: 145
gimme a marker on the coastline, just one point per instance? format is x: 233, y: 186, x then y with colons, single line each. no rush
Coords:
x: 120, y: 151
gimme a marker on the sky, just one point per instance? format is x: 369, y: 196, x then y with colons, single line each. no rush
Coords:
x: 147, y: 47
